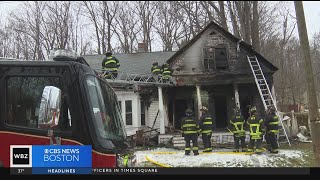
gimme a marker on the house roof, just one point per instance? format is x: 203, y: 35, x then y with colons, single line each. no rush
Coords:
x: 140, y: 62
x: 227, y: 34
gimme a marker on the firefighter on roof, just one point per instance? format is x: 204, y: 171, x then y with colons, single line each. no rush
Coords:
x: 206, y: 126
x: 156, y: 69
x: 166, y: 72
x: 235, y: 126
x: 110, y: 65
x: 257, y: 129
x: 190, y: 130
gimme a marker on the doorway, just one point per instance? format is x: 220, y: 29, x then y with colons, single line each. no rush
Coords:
x: 181, y: 105
x: 221, y: 116
x: 245, y: 105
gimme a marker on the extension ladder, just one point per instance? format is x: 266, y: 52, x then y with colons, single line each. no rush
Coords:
x: 265, y: 93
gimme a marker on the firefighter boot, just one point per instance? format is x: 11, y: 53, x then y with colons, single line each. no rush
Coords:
x: 259, y: 151
x: 274, y: 151
x: 269, y: 147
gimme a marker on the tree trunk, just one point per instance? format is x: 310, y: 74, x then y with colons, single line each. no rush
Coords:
x: 255, y: 27
x: 235, y: 26
x: 247, y: 17
x: 222, y: 15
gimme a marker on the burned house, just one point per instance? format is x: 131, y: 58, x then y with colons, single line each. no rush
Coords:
x: 211, y: 69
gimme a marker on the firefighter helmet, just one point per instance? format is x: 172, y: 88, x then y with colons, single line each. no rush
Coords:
x: 236, y: 110
x: 203, y: 108
x: 108, y: 53
x: 189, y: 111
x: 253, y: 109
x: 155, y: 63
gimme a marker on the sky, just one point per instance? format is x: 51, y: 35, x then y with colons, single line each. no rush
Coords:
x: 311, y: 11
x: 312, y: 16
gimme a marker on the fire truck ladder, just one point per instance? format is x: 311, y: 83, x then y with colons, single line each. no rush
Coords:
x: 129, y: 78
x: 265, y: 93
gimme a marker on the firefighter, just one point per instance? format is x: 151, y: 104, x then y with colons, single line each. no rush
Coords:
x: 272, y: 129
x: 235, y: 126
x: 166, y: 72
x: 190, y: 130
x: 156, y: 69
x: 206, y: 126
x: 110, y: 65
x: 256, y: 128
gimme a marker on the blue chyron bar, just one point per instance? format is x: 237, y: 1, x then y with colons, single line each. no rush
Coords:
x: 61, y: 159
x: 68, y: 170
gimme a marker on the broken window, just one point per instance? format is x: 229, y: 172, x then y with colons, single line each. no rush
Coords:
x: 208, y: 58
x: 221, y: 59
x: 215, y: 58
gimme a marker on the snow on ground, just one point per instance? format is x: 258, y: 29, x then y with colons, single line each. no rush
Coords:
x: 285, y: 158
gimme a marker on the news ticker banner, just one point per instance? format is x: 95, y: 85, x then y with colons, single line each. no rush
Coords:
x: 182, y: 171
x: 51, y: 159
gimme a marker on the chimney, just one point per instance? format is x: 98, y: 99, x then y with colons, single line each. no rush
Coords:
x: 141, y: 47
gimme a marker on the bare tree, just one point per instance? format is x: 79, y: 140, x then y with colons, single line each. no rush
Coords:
x: 287, y: 33
x: 101, y: 14
x: 233, y: 18
x: 93, y: 16
x: 167, y: 25
x: 209, y: 11
x: 126, y: 27
x: 60, y: 21
x: 30, y: 23
x: 145, y: 11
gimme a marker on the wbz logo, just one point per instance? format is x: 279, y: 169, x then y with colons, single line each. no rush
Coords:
x: 20, y: 155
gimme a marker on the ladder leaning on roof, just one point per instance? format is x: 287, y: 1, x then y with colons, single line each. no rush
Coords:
x: 265, y: 93
x: 130, y: 78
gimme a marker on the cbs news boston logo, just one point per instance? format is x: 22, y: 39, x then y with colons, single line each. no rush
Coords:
x: 52, y: 159
x: 20, y: 156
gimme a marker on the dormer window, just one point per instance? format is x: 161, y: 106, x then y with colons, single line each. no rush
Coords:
x: 215, y: 58
x: 221, y: 58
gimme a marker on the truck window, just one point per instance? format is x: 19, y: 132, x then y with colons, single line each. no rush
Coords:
x: 23, y: 97
x: 105, y: 109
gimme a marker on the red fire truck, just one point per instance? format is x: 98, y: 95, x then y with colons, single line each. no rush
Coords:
x: 62, y: 101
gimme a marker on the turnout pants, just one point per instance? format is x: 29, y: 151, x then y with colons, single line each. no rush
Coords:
x: 242, y: 139
x: 271, y: 139
x: 194, y: 139
x: 206, y: 139
x: 255, y: 142
x: 114, y: 74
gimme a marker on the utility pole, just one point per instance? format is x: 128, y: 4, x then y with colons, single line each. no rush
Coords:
x: 312, y: 97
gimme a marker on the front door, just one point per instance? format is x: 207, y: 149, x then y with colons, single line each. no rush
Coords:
x: 221, y: 113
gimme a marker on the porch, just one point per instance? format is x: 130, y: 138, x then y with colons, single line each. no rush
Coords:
x: 177, y: 141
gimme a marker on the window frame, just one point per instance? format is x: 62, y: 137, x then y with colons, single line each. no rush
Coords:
x: 142, y: 107
x: 128, y: 113
x: 227, y: 57
x: 206, y: 58
x: 29, y: 129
